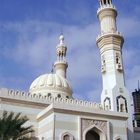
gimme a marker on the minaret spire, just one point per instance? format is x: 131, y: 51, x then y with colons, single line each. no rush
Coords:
x: 61, y: 64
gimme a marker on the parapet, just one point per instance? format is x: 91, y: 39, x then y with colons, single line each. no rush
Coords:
x: 23, y: 96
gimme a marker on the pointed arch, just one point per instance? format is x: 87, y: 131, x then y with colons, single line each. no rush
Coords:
x: 66, y: 136
x: 107, y: 103
x: 121, y: 104
x: 95, y: 129
x: 117, y: 138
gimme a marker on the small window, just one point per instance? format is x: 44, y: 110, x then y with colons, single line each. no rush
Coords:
x: 59, y: 95
x: 67, y: 136
x: 117, y: 60
x: 67, y: 97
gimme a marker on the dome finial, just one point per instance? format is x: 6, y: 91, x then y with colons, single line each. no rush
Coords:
x: 61, y: 38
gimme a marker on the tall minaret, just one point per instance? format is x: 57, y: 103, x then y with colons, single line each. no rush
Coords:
x: 114, y: 95
x: 61, y: 64
x: 110, y: 41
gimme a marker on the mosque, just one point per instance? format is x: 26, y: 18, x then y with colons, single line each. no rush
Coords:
x: 53, y: 111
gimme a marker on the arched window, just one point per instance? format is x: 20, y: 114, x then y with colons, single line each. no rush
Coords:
x: 121, y: 104
x: 59, y: 95
x: 66, y: 136
x: 107, y: 103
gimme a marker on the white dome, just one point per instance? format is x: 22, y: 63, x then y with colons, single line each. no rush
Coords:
x: 51, y: 85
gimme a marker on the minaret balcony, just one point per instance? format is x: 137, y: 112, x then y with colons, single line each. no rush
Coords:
x: 114, y: 38
x: 102, y: 7
x: 108, y: 34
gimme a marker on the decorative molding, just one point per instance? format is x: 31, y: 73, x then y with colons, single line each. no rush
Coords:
x: 23, y: 96
x: 88, y: 124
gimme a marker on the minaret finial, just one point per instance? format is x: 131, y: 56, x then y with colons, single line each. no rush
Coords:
x: 61, y: 38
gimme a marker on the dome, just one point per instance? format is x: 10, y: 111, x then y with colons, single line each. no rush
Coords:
x: 53, y: 85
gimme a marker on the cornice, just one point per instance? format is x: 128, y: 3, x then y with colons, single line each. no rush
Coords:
x: 81, y: 111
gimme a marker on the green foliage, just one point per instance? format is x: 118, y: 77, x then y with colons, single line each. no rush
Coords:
x: 12, y: 126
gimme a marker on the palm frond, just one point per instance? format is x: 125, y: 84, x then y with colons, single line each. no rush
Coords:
x: 12, y: 126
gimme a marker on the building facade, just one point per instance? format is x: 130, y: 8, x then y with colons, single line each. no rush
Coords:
x: 136, y: 105
x: 56, y: 115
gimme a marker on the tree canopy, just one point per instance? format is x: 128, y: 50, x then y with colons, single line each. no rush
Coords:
x: 12, y: 126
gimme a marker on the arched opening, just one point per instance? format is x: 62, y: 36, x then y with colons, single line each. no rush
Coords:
x: 66, y: 137
x: 107, y: 103
x: 92, y: 135
x: 104, y: 1
x: 121, y: 104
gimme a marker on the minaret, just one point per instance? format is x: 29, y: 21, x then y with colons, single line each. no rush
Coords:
x: 61, y: 64
x: 115, y: 96
x: 110, y: 42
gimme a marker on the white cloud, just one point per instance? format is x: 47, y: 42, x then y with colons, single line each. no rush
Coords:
x: 90, y: 95
x: 129, y: 26
x: 132, y: 67
x: 36, y: 47
x: 39, y: 50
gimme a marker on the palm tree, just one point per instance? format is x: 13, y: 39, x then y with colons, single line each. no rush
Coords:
x: 12, y: 126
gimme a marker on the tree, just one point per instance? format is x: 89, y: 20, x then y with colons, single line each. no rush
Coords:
x: 12, y: 126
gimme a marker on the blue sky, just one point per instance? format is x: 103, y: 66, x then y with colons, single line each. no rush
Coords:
x: 29, y: 31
